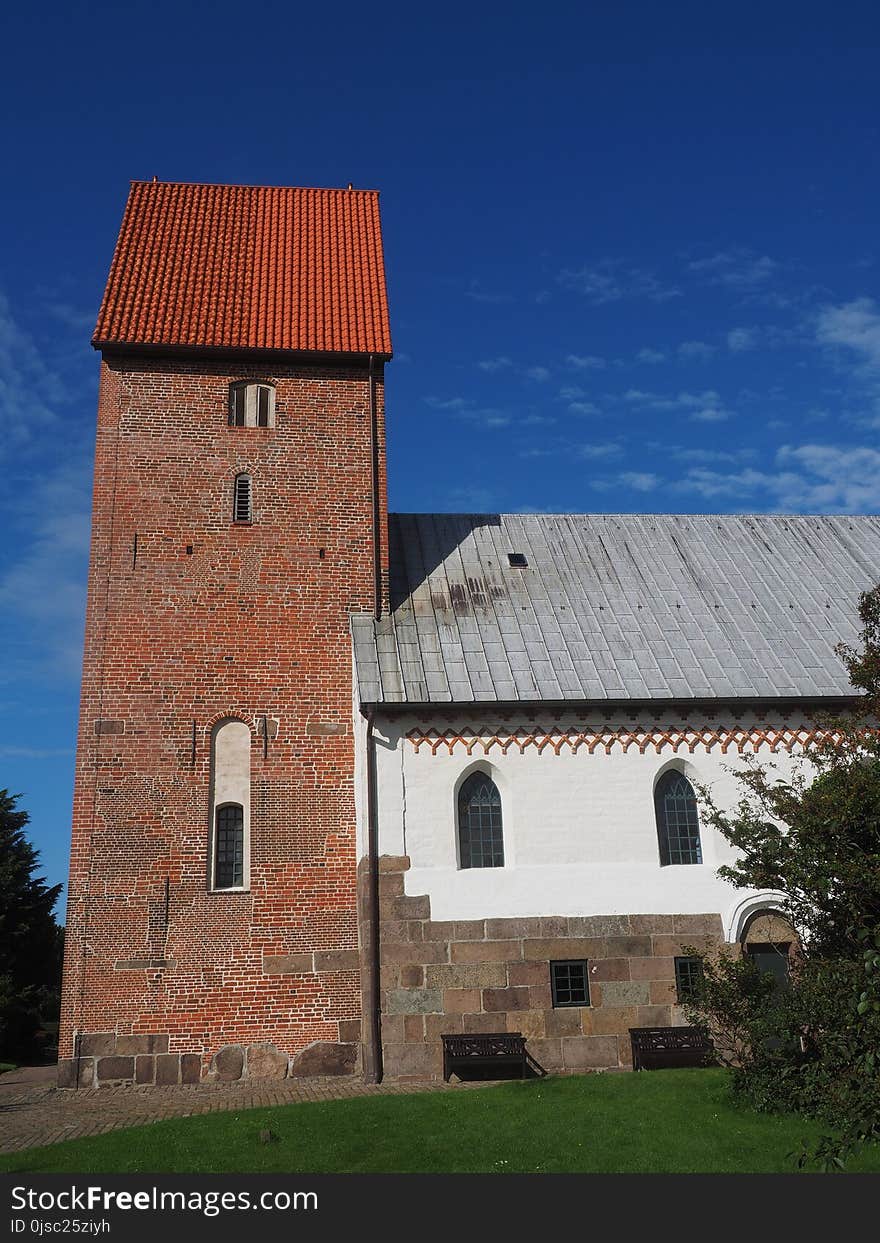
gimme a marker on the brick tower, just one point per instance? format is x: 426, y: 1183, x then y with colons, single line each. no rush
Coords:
x: 239, y: 516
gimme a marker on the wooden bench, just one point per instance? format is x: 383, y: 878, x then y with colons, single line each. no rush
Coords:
x: 654, y: 1048
x: 487, y: 1050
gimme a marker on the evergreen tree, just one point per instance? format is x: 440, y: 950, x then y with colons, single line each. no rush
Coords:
x: 30, y: 938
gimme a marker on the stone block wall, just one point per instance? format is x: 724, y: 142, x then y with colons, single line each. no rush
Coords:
x: 107, y: 1059
x: 491, y: 975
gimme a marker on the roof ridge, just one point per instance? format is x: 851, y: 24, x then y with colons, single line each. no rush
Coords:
x: 242, y: 185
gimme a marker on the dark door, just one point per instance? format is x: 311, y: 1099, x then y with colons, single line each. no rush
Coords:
x: 772, y: 958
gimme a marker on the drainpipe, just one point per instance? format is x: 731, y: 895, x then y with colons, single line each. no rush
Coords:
x: 372, y: 999
x: 374, y: 469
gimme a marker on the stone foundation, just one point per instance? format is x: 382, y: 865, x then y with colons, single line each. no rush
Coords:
x: 110, y: 1060
x: 494, y: 975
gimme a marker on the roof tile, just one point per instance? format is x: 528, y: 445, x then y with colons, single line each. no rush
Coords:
x: 247, y: 268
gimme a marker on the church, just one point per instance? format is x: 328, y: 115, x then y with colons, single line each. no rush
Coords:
x: 348, y: 781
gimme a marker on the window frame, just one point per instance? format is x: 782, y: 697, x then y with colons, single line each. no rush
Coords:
x: 663, y: 825
x: 240, y: 478
x: 687, y: 981
x: 555, y: 965
x: 246, y: 399
x: 490, y: 831
x: 241, y: 828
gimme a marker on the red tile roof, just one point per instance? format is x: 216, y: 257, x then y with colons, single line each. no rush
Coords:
x: 247, y: 267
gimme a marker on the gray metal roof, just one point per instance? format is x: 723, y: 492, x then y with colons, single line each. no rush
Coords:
x: 616, y: 607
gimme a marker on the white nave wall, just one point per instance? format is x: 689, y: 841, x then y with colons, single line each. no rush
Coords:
x: 580, y: 835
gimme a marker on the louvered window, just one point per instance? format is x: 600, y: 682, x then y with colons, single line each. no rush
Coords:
x: 229, y: 847
x: 678, y: 825
x: 251, y: 405
x: 480, y: 836
x: 242, y: 502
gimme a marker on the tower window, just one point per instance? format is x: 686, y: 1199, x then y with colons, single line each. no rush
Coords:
x: 230, y: 815
x: 480, y: 837
x: 678, y: 825
x: 242, y: 500
x: 251, y: 405
x: 229, y: 847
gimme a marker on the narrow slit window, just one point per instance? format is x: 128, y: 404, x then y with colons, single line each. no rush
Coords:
x: 480, y: 834
x: 242, y: 503
x: 678, y: 824
x: 229, y: 851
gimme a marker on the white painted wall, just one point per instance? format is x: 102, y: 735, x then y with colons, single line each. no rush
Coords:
x: 580, y: 836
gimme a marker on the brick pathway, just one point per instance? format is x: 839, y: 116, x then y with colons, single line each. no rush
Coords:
x: 34, y: 1112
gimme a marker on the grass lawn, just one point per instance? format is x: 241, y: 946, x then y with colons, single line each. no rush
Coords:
x: 674, y: 1121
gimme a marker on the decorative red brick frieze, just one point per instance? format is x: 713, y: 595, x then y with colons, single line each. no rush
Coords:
x: 739, y: 738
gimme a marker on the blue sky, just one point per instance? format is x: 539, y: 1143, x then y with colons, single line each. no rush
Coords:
x: 632, y: 255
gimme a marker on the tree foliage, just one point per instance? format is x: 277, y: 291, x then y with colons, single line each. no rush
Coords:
x: 30, y: 939
x: 815, y: 839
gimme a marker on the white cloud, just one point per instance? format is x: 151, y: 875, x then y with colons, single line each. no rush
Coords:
x: 808, y: 479
x: 585, y: 362
x: 611, y: 280
x: 465, y: 408
x: 583, y: 407
x: 650, y: 356
x: 854, y: 326
x: 705, y: 407
x: 738, y: 268
x: 710, y: 414
x: 639, y: 481
x: 741, y: 339
x: 598, y: 450
x: 697, y: 350
x: 495, y: 364
x: 541, y: 374
x: 571, y: 392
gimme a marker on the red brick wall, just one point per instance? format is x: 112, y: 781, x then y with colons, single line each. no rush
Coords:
x: 253, y: 622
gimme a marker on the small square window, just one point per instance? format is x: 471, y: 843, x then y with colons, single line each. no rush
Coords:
x: 688, y: 977
x: 570, y: 983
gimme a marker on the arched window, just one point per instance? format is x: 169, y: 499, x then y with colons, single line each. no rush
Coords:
x: 242, y: 499
x: 251, y: 405
x: 678, y: 825
x: 229, y: 847
x: 230, y: 810
x: 480, y: 838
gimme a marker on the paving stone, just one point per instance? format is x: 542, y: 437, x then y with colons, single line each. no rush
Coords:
x: 40, y: 1113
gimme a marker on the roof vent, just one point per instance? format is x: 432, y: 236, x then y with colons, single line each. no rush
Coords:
x: 517, y: 560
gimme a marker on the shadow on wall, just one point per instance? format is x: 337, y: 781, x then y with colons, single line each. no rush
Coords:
x: 420, y: 543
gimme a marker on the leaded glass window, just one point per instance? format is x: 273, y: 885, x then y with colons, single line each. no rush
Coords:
x: 480, y: 837
x: 678, y: 826
x: 569, y: 983
x: 229, y: 847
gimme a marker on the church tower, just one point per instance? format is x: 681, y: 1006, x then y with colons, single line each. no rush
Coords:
x: 239, y: 516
